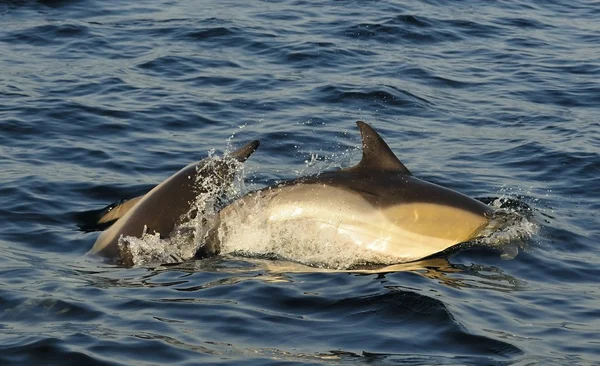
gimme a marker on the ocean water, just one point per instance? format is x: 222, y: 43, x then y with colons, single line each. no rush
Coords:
x: 101, y: 100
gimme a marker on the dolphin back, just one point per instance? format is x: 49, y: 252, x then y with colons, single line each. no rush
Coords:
x: 163, y: 208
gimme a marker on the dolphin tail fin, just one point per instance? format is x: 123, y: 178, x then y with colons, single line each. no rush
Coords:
x: 116, y: 210
x: 97, y: 220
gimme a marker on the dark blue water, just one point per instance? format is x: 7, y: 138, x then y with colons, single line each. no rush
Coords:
x: 101, y: 100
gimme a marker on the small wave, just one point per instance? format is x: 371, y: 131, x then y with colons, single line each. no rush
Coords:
x: 44, y: 35
x: 408, y: 29
x: 396, y: 34
x: 206, y: 34
x: 383, y: 97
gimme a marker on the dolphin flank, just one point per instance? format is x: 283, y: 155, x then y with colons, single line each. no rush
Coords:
x: 377, y: 205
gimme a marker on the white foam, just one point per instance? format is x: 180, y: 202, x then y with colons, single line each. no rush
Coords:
x: 508, y: 226
x: 300, y: 240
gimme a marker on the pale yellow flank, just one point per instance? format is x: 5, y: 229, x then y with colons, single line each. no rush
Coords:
x: 404, y: 231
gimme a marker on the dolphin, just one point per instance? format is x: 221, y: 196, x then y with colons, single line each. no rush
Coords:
x: 377, y: 205
x: 168, y: 204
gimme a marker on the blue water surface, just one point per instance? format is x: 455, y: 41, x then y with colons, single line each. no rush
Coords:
x: 101, y: 100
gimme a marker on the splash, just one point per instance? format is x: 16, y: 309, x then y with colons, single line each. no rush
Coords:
x: 318, y: 163
x: 510, y: 228
x: 217, y: 180
x: 150, y: 248
x: 305, y: 241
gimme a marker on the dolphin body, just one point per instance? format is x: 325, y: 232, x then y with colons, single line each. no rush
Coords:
x: 168, y: 204
x: 377, y: 204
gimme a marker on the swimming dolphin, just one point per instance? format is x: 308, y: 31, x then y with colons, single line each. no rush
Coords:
x: 167, y: 204
x: 377, y: 204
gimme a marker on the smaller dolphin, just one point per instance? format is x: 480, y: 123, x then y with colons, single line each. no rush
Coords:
x: 168, y: 204
x: 377, y: 205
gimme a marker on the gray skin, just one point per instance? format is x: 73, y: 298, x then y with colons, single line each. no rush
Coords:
x: 377, y: 204
x: 167, y: 204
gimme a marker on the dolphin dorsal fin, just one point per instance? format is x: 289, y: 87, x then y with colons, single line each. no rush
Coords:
x: 377, y: 155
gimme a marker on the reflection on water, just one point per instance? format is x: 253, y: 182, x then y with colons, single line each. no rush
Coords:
x: 232, y: 270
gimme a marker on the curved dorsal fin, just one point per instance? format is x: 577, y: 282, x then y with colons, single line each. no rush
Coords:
x: 377, y: 155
